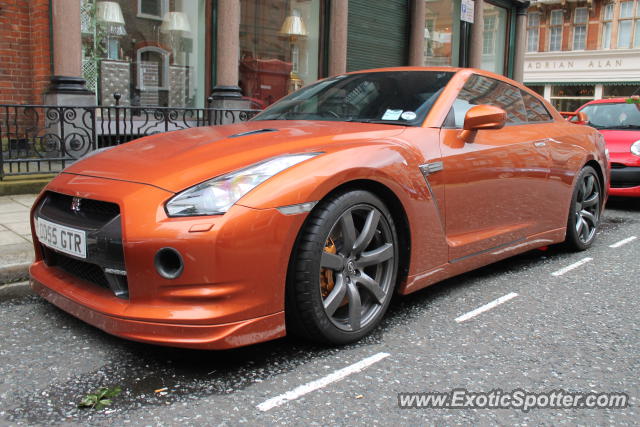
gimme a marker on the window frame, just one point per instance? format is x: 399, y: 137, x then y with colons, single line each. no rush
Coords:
x: 553, y: 26
x: 537, y: 31
x: 164, y: 8
x: 576, y: 24
x: 607, y: 23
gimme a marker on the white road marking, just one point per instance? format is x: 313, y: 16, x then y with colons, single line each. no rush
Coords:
x: 486, y: 307
x: 623, y: 242
x: 571, y: 267
x: 321, y: 382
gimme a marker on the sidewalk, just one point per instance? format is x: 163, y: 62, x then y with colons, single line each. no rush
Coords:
x: 16, y: 249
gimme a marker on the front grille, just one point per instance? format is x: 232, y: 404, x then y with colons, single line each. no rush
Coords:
x: 80, y: 269
x: 95, y: 210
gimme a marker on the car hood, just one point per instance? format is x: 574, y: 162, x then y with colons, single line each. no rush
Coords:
x: 619, y: 141
x: 177, y: 160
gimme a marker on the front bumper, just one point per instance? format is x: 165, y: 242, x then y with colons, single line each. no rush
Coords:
x: 230, y: 293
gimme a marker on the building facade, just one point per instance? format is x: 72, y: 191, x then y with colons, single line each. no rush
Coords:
x: 578, y: 51
x: 179, y: 53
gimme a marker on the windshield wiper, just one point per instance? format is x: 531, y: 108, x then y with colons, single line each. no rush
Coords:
x: 616, y: 127
x: 376, y: 121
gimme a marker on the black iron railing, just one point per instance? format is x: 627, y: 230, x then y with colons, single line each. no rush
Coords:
x: 39, y: 139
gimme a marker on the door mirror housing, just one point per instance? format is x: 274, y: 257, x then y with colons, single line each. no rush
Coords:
x: 482, y: 117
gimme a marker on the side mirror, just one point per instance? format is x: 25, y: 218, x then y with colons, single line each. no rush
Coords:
x: 482, y: 117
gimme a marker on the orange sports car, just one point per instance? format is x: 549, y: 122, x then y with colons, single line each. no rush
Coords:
x: 308, y: 218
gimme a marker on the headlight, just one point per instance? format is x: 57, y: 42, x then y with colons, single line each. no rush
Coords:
x: 216, y: 196
x: 635, y: 148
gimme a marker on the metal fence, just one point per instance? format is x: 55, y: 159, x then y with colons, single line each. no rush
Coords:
x: 39, y: 139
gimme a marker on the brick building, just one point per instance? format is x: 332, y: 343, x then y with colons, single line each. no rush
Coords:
x: 25, y: 60
x: 578, y: 51
x: 178, y: 52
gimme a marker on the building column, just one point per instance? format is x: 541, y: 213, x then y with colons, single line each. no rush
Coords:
x: 521, y: 41
x: 416, y: 39
x: 475, y: 47
x: 66, y: 80
x: 228, y: 48
x: 338, y: 22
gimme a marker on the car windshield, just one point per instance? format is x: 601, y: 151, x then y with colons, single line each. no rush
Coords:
x: 613, y: 115
x: 391, y: 97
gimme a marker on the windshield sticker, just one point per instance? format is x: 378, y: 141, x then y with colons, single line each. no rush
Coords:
x: 408, y: 115
x: 391, y: 114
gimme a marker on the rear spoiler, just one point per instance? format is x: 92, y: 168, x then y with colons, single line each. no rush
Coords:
x: 580, y: 117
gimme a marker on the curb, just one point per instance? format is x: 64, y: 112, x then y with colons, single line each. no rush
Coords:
x: 14, y: 273
x: 15, y: 290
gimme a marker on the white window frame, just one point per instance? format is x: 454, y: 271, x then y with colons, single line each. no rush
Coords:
x: 164, y: 8
x: 607, y: 22
x: 576, y: 24
x: 552, y: 26
x: 535, y: 28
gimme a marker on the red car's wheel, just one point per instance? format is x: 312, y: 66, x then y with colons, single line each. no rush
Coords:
x: 584, y: 213
x: 343, y: 270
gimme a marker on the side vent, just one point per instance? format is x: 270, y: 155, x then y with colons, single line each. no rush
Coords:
x: 253, y: 132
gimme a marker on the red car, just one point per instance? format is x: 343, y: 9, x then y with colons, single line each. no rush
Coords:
x: 618, y: 120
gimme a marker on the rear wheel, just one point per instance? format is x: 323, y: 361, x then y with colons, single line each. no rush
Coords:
x: 343, y: 269
x: 584, y: 214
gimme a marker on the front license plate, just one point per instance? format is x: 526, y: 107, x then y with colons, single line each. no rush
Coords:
x: 62, y: 238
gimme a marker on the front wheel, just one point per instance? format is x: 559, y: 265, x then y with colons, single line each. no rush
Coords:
x: 343, y: 269
x: 584, y: 213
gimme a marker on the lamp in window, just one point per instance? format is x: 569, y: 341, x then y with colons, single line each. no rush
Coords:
x: 110, y: 19
x: 176, y: 25
x: 293, y: 27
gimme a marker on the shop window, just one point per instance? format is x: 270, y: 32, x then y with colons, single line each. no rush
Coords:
x: 571, y: 97
x: 626, y: 24
x: 580, y: 20
x: 555, y: 30
x: 279, y: 47
x: 440, y: 32
x: 494, y: 38
x: 617, y: 91
x: 607, y: 24
x: 533, y: 31
x: 150, y: 52
x: 539, y: 89
x: 479, y: 90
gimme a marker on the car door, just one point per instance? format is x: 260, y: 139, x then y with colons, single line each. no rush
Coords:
x: 495, y: 183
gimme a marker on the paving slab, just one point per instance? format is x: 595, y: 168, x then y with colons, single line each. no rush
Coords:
x: 16, y: 249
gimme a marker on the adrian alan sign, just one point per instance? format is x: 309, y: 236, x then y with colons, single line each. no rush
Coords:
x: 589, y: 66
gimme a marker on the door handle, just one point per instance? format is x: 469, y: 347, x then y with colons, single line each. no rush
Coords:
x: 540, y: 144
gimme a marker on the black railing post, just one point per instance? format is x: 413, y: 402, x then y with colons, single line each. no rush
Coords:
x: 117, y: 97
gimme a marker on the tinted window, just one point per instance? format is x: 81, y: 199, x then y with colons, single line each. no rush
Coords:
x: 394, y: 97
x: 536, y: 111
x: 480, y: 90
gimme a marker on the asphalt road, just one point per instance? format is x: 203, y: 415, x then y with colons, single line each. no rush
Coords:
x: 578, y: 330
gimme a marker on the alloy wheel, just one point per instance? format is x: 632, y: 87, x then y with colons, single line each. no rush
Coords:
x: 357, y: 267
x: 587, y: 208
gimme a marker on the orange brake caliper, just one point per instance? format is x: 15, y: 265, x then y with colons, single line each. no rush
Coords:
x: 326, y: 274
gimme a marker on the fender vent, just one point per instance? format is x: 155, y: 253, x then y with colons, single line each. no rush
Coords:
x: 253, y: 132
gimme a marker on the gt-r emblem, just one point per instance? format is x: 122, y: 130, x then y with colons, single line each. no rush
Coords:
x: 75, y: 204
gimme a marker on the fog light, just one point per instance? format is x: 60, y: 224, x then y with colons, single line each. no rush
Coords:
x: 169, y: 263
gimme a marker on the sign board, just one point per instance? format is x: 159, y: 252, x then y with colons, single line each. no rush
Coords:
x: 466, y: 11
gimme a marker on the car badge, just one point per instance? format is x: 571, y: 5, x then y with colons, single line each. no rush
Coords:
x: 75, y: 204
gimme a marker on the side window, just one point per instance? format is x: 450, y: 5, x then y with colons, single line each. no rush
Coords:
x: 483, y: 90
x: 536, y: 111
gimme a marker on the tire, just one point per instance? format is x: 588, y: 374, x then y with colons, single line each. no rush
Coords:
x: 584, y: 211
x: 343, y: 269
